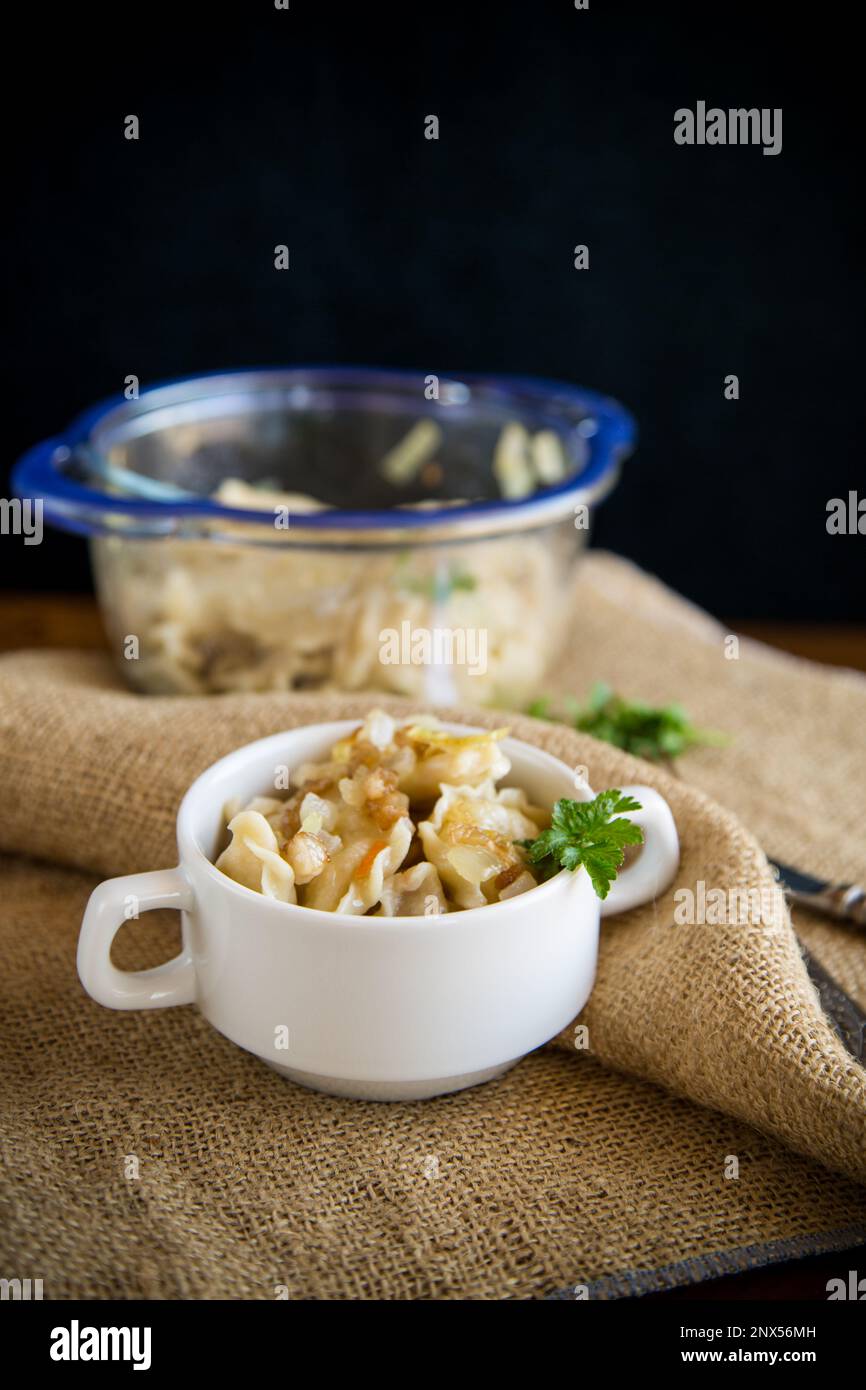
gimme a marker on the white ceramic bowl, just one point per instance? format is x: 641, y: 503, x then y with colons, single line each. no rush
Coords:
x: 379, y: 1008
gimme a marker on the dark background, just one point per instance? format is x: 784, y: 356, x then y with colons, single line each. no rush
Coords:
x: 306, y: 127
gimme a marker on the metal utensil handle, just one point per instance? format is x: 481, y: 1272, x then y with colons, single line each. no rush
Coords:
x: 847, y: 901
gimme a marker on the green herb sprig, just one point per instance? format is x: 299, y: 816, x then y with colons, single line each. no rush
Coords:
x: 587, y: 833
x: 656, y: 733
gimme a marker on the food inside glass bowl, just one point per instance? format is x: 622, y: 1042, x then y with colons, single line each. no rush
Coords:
x: 306, y: 528
x: 219, y: 618
x: 301, y: 620
x: 404, y: 819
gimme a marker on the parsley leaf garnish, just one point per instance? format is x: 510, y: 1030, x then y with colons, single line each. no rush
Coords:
x: 586, y: 833
x: 645, y: 730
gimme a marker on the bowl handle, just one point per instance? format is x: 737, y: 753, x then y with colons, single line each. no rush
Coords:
x: 120, y: 900
x: 658, y: 861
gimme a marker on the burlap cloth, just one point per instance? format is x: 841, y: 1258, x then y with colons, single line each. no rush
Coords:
x: 146, y: 1156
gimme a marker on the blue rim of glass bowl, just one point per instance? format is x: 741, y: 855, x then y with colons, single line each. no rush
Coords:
x: 73, y: 506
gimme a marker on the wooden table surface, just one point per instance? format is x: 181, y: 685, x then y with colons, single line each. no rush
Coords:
x: 54, y: 620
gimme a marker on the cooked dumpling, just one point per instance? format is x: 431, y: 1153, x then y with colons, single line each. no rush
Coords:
x: 345, y: 840
x: 470, y: 838
x: 369, y: 819
x: 415, y: 892
x: 371, y: 745
x: 275, y: 848
x: 440, y: 757
x: 515, y: 800
x: 352, y: 880
x: 420, y: 753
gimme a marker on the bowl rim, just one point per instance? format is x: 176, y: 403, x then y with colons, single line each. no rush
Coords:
x: 75, y: 506
x: 190, y: 847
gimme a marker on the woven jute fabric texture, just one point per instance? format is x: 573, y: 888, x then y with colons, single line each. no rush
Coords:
x: 146, y: 1156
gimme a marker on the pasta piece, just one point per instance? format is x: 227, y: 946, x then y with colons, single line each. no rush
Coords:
x: 415, y: 892
x: 344, y: 841
x: 515, y: 799
x: 370, y: 821
x: 420, y: 753
x: 353, y: 879
x: 222, y: 617
x: 405, y: 460
x: 367, y: 881
x: 371, y: 745
x: 512, y: 467
x: 234, y: 492
x: 547, y: 457
x: 253, y: 858
x: 462, y: 868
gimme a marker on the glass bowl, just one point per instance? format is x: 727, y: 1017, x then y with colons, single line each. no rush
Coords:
x: 342, y: 528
